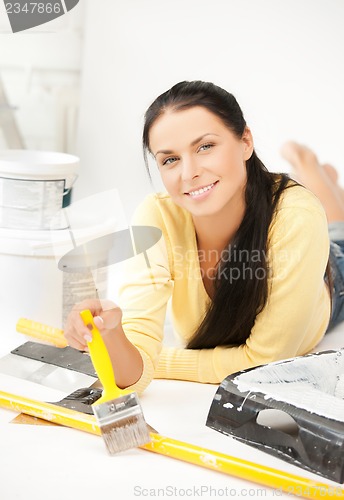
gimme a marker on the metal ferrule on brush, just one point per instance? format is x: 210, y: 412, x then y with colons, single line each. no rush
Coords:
x: 121, y: 408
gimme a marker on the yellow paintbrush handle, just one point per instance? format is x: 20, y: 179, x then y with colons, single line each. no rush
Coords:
x: 102, y: 362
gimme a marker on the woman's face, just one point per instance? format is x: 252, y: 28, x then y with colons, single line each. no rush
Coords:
x: 201, y: 161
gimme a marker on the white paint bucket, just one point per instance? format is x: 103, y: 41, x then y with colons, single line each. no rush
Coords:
x: 34, y: 185
x: 32, y: 285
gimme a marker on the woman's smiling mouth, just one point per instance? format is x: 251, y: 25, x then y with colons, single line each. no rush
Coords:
x: 202, y: 191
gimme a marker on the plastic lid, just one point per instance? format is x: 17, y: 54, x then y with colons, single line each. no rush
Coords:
x: 37, y: 164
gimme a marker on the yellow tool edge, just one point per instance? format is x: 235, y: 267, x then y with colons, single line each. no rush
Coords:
x: 260, y: 474
x: 40, y: 331
x: 46, y: 338
x: 243, y: 469
x: 50, y: 412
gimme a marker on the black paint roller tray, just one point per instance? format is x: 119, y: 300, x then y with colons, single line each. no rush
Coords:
x: 309, y: 390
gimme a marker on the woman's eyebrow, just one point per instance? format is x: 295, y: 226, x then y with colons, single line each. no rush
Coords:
x: 193, y: 143
x: 201, y: 137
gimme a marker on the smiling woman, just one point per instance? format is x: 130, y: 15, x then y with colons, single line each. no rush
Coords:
x: 243, y: 256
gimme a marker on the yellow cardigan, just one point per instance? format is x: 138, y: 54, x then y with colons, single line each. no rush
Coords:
x: 293, y: 321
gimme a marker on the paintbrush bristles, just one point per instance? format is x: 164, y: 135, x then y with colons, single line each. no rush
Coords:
x: 122, y: 423
x: 128, y: 433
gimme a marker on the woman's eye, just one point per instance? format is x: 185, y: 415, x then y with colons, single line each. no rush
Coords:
x: 205, y: 147
x: 170, y: 160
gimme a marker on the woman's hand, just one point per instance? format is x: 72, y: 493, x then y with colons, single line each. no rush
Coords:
x: 125, y: 358
x: 107, y: 318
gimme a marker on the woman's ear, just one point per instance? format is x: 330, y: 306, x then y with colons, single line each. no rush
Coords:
x: 247, y: 141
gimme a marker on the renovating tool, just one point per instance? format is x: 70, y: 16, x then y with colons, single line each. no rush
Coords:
x: 51, y: 412
x: 220, y: 462
x: 309, y: 389
x: 40, y: 331
x: 57, y: 366
x: 81, y: 400
x: 118, y: 412
x: 65, y: 369
x: 65, y: 357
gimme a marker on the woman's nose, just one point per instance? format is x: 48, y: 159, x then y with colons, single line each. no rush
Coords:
x: 190, y: 168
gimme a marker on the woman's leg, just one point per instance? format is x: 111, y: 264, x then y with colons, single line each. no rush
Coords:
x: 322, y: 180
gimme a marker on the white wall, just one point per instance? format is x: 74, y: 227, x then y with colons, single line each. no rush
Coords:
x: 40, y: 70
x: 282, y: 59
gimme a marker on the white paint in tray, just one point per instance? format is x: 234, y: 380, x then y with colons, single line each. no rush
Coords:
x: 314, y: 383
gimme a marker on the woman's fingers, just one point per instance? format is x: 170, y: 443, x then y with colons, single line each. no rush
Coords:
x: 76, y: 337
x: 107, y: 316
x: 77, y: 345
x: 76, y: 332
x: 109, y: 319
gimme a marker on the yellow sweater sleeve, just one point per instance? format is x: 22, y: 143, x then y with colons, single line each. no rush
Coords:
x: 298, y: 255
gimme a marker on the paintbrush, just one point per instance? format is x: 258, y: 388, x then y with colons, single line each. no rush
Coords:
x: 118, y: 412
